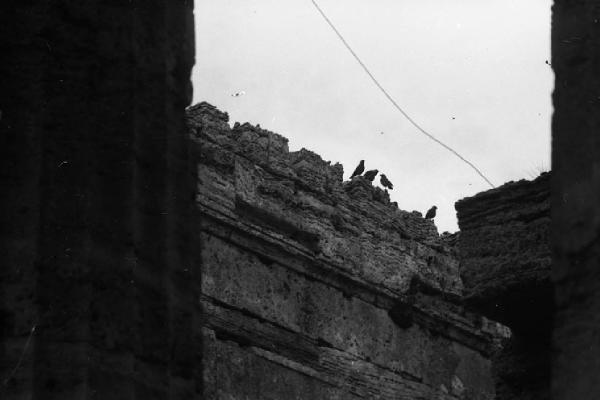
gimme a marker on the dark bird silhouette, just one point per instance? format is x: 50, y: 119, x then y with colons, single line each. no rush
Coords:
x: 385, y: 182
x: 370, y: 175
x: 359, y: 170
x: 431, y: 213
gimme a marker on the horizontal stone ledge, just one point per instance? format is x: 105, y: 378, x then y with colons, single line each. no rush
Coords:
x: 431, y: 312
x: 223, y: 222
x: 314, y: 357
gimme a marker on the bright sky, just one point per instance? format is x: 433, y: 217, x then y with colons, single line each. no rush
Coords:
x: 473, y: 73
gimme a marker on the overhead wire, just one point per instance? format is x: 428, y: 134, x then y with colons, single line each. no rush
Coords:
x: 389, y: 97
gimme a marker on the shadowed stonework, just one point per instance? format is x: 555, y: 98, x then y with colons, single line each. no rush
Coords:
x: 323, y: 284
x: 141, y: 258
x: 95, y: 290
x: 575, y: 199
x: 505, y: 264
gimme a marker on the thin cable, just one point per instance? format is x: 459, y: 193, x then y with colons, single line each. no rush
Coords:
x: 364, y: 67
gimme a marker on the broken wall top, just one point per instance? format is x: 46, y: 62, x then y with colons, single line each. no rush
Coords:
x: 249, y: 174
x: 504, y: 250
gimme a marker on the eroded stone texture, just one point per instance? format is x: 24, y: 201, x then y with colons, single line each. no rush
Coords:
x: 248, y: 172
x: 504, y: 251
x: 303, y: 273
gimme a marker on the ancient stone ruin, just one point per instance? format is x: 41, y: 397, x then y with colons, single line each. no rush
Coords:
x: 318, y: 288
x: 505, y: 264
x: 143, y: 259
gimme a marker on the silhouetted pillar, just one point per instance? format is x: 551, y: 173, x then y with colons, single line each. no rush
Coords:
x: 95, y: 285
x: 576, y: 198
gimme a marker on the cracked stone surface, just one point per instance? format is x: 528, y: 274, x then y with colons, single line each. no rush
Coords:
x: 324, y: 283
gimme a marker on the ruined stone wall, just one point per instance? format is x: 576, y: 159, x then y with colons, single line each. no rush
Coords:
x: 317, y: 288
x: 504, y: 252
x: 94, y: 256
x: 504, y: 248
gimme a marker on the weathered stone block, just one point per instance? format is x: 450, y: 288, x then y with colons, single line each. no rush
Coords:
x: 504, y: 250
x: 324, y: 278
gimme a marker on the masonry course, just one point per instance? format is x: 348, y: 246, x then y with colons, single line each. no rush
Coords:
x: 323, y: 279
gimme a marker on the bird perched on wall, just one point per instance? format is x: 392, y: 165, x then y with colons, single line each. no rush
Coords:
x: 431, y: 213
x: 385, y: 182
x: 370, y: 175
x: 359, y: 170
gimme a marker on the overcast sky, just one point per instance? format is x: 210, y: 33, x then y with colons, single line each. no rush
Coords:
x: 471, y: 72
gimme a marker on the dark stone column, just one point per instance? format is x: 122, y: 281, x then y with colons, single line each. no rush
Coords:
x: 96, y: 191
x: 576, y: 198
